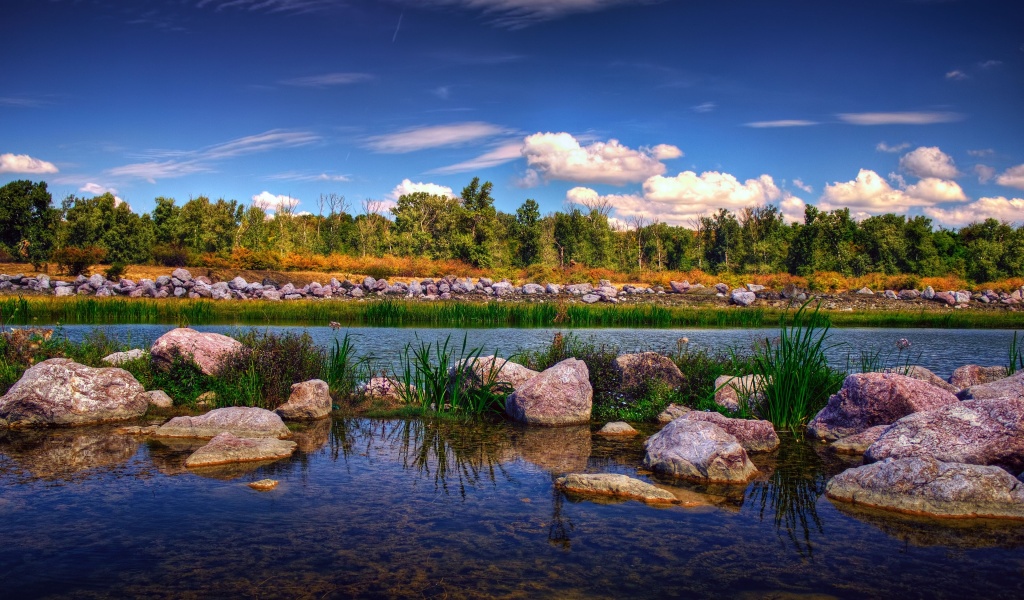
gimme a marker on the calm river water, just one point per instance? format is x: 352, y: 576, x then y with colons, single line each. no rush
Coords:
x: 419, y: 509
x: 940, y: 350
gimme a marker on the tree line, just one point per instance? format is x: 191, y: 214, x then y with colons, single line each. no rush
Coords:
x: 469, y: 228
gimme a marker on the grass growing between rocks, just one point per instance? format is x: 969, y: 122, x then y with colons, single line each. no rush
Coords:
x: 440, y: 379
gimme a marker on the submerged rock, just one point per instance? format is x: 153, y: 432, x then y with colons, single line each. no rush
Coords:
x: 617, y: 428
x: 263, y: 485
x: 226, y: 448
x: 308, y: 401
x: 241, y: 421
x: 926, y: 486
x: 556, y: 450
x: 980, y: 432
x: 858, y: 443
x: 206, y: 350
x: 615, y: 486
x: 61, y: 392
x: 869, y: 399
x: 560, y: 395
x: 700, y: 451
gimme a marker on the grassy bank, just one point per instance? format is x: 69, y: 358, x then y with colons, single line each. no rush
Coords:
x: 34, y: 310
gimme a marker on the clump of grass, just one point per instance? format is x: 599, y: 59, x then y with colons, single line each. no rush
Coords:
x: 798, y: 378
x: 1016, y: 362
x: 262, y: 373
x: 439, y: 379
x: 343, y: 370
x: 877, y: 361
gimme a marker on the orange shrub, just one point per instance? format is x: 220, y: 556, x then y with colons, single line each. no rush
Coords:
x: 948, y: 282
x: 1003, y: 285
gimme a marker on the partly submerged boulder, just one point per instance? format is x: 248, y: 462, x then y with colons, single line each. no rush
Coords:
x: 926, y: 486
x: 61, y: 392
x: 979, y: 432
x: 699, y: 451
x: 308, y: 401
x: 241, y: 421
x: 226, y: 448
x: 206, y: 350
x: 560, y: 395
x: 753, y: 435
x: 858, y: 443
x: 869, y: 399
x: 617, y: 428
x: 971, y: 375
x: 615, y: 486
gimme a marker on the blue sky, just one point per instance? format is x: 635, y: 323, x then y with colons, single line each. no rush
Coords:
x: 663, y: 109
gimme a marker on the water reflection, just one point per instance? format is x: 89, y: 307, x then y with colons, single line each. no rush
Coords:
x: 65, y: 454
x: 961, y: 534
x: 557, y: 450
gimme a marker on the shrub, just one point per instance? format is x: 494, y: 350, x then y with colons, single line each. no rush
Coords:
x: 262, y: 373
x: 170, y: 256
x: 257, y: 261
x: 115, y: 271
x: 77, y: 261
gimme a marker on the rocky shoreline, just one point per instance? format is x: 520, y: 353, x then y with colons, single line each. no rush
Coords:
x: 182, y: 284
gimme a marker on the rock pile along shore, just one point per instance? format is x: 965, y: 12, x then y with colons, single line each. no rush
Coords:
x: 181, y: 284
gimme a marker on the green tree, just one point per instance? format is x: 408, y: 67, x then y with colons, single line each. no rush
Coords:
x: 527, y: 233
x: 28, y: 220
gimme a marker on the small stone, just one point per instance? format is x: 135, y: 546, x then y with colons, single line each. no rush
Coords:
x: 614, y: 485
x: 617, y: 428
x: 159, y: 399
x: 263, y: 485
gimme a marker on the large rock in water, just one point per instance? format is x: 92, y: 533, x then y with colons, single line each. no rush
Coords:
x: 241, y: 421
x: 226, y: 448
x: 635, y: 370
x: 925, y: 486
x: 700, y: 451
x: 308, y: 401
x: 1007, y: 388
x: 921, y: 373
x: 869, y: 399
x: 61, y: 392
x: 207, y: 350
x: 978, y: 432
x: 971, y: 375
x: 615, y: 486
x: 560, y: 395
x: 753, y: 435
x: 485, y: 367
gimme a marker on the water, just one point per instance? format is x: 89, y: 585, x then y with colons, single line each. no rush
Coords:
x: 414, y: 509
x: 940, y: 350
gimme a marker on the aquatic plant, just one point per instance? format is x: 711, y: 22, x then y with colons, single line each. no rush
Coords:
x: 1016, y: 361
x: 798, y: 378
x: 877, y: 361
x: 343, y: 370
x: 441, y: 379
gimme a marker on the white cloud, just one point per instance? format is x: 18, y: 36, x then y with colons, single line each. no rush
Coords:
x: 1012, y: 177
x: 328, y: 79
x: 435, y: 136
x: 408, y: 187
x: 782, y: 123
x: 899, y: 118
x: 515, y: 14
x: 871, y: 194
x: 500, y: 155
x: 981, y: 153
x: 98, y: 190
x: 792, y: 209
x: 985, y: 173
x: 560, y: 156
x: 990, y: 64
x: 274, y: 139
x: 883, y: 147
x: 929, y: 161
x: 23, y: 163
x: 706, y: 107
x: 271, y: 202
x: 1000, y: 208
x: 956, y: 75
x: 151, y: 171
x: 310, y: 177
x: 799, y: 183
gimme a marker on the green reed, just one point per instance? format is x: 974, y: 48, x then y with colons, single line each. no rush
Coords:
x: 441, y: 379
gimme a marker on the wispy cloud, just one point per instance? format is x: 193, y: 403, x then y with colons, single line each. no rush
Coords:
x: 169, y: 164
x: 705, y: 107
x: 272, y: 6
x: 990, y: 64
x: 781, y: 123
x: 327, y: 80
x: 477, y: 59
x: 433, y: 136
x: 502, y: 154
x: 899, y: 118
x: 20, y: 102
x: 981, y: 153
x: 516, y: 14
x: 307, y: 177
x: 957, y: 75
x: 884, y: 147
x: 23, y: 163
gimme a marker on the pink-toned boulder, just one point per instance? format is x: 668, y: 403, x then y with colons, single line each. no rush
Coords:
x: 978, y: 432
x: 308, y: 401
x: 672, y: 412
x: 679, y: 287
x: 60, y: 392
x: 226, y: 448
x: 753, y: 435
x: 699, y: 451
x: 485, y: 368
x: 207, y: 350
x: 635, y: 370
x: 560, y: 395
x: 1002, y: 389
x: 615, y: 486
x: 858, y: 443
x: 971, y: 375
x: 869, y: 399
x: 617, y: 428
x: 730, y: 390
x: 241, y: 421
x: 384, y: 388
x: 926, y: 486
x: 923, y: 374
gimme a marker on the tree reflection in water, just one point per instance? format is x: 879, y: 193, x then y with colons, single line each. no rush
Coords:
x: 791, y: 492
x: 561, y: 525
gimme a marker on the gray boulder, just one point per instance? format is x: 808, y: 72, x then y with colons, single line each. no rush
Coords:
x: 615, y: 486
x: 242, y: 421
x: 560, y: 395
x: 926, y: 486
x: 636, y: 370
x: 308, y: 401
x: 122, y: 357
x: 484, y: 368
x: 971, y: 375
x: 699, y: 451
x: 226, y: 448
x: 159, y: 399
x: 61, y: 392
x: 753, y: 435
x: 742, y: 297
